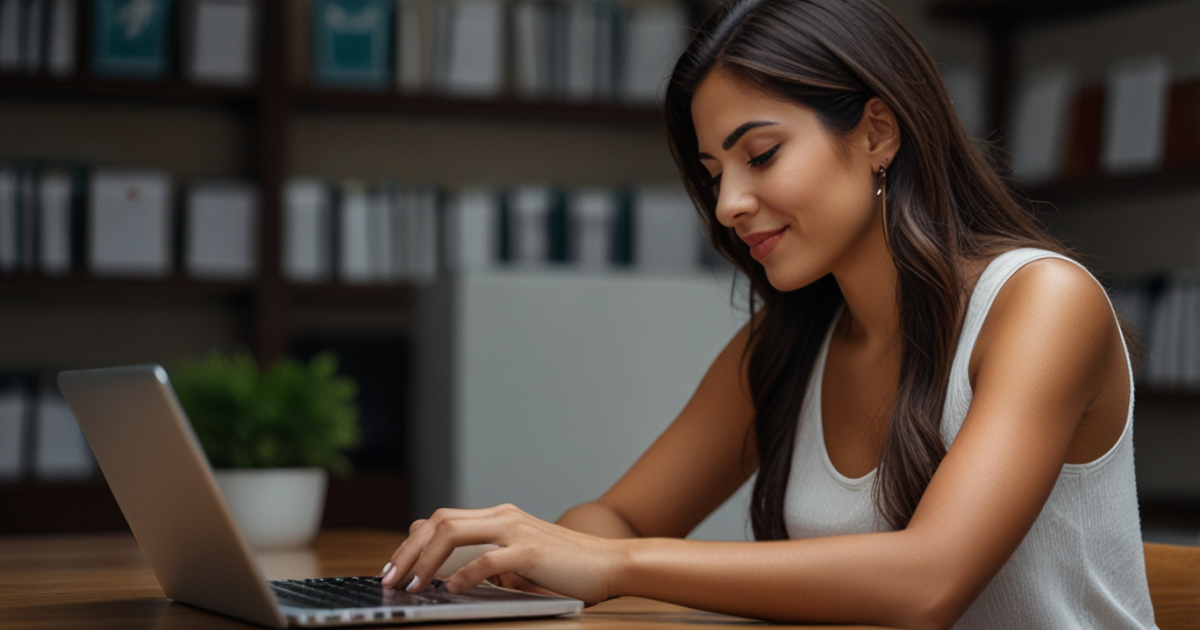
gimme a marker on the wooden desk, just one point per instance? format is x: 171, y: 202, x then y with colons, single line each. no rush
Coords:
x: 102, y: 581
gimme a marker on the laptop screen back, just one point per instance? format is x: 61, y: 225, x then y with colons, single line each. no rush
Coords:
x: 161, y: 479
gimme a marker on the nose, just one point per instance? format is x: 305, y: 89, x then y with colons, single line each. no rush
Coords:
x: 735, y: 203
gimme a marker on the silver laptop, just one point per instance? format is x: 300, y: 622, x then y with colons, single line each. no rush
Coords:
x: 161, y: 479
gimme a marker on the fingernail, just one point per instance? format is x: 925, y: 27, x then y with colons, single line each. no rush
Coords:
x: 390, y: 575
x: 414, y: 585
x: 387, y: 567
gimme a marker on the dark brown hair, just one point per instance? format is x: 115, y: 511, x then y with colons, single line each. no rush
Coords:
x: 945, y: 203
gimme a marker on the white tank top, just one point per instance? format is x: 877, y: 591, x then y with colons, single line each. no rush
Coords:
x: 1080, y: 566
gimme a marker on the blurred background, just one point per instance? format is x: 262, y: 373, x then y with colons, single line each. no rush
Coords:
x: 466, y: 201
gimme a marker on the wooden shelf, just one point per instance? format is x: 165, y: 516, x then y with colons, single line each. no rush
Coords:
x: 178, y: 91
x: 365, y: 499
x: 315, y: 99
x: 1099, y: 188
x: 79, y: 282
x: 1179, y: 396
x: 377, y: 499
x: 123, y: 90
x: 352, y: 291
x: 42, y: 506
x: 1171, y: 513
x: 1024, y: 11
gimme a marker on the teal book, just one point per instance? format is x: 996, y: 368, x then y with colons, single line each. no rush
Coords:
x: 131, y: 38
x: 352, y: 43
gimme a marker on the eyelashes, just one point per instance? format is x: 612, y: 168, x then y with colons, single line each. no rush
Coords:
x: 763, y: 157
x: 714, y: 182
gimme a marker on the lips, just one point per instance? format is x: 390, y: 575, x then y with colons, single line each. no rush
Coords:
x: 761, y: 243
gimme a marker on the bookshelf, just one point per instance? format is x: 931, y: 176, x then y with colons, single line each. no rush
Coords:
x: 272, y: 103
x: 1004, y: 23
x: 268, y: 311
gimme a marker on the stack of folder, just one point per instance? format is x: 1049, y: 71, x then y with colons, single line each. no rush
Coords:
x: 58, y: 218
x: 134, y: 39
x: 580, y: 50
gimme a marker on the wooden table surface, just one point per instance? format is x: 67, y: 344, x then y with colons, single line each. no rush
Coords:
x: 102, y: 581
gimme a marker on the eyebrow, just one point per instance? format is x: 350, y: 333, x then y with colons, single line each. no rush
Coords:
x: 737, y: 134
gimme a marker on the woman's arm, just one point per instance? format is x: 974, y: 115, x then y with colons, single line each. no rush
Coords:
x: 597, y: 519
x: 1051, y: 343
x: 1051, y: 337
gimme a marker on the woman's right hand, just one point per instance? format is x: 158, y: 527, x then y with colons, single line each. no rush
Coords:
x: 456, y: 562
x: 559, y: 559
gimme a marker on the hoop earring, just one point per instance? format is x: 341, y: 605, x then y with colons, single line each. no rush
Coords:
x: 881, y: 192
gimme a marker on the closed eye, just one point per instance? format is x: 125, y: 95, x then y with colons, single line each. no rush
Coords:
x: 763, y: 157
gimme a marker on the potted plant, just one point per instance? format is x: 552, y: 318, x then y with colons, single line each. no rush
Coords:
x: 272, y: 438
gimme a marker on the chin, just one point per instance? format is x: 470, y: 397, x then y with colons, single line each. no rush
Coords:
x: 791, y: 279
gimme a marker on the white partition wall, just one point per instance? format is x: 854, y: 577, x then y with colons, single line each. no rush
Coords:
x: 541, y: 388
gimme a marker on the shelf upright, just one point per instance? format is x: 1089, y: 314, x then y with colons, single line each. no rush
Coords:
x: 274, y: 111
x: 1003, y: 19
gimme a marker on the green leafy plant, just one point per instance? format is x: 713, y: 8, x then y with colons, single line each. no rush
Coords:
x: 294, y: 415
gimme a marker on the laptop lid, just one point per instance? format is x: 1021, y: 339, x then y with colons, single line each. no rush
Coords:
x: 162, y: 481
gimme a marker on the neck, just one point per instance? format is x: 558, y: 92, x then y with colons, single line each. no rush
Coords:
x: 867, y: 277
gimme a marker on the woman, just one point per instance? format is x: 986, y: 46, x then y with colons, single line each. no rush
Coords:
x: 936, y: 398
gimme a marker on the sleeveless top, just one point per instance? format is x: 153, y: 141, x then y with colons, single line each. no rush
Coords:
x: 1081, y: 565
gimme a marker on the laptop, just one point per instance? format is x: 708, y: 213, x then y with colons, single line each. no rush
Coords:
x: 162, y: 481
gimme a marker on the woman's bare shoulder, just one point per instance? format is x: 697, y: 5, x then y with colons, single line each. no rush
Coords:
x: 1055, y: 285
x: 1056, y: 301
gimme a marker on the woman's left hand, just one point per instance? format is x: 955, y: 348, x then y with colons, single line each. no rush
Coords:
x: 552, y: 557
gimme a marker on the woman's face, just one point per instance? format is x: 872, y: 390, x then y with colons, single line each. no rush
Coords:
x: 803, y: 204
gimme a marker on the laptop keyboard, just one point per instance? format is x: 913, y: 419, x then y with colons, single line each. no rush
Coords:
x: 357, y: 592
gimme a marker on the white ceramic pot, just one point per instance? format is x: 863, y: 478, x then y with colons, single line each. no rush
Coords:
x: 276, y: 508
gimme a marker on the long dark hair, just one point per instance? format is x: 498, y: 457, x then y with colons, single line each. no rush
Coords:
x: 945, y: 204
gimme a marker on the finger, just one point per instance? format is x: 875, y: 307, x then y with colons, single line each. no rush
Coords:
x: 411, y: 528
x: 504, y: 580
x: 404, y: 556
x: 420, y: 533
x: 449, y: 535
x: 518, y: 583
x: 460, y: 557
x: 501, y: 561
x: 496, y: 580
x: 388, y: 567
x: 413, y: 557
x: 521, y: 584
